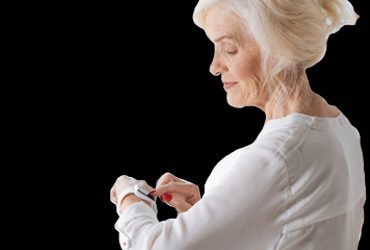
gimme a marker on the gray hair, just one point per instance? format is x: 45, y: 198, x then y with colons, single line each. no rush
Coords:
x: 292, y: 34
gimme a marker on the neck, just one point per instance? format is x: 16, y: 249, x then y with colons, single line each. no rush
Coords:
x: 297, y: 98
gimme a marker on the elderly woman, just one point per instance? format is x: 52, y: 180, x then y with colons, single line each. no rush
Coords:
x: 300, y: 184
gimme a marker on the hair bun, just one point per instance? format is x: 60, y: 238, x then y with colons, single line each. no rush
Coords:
x: 339, y: 13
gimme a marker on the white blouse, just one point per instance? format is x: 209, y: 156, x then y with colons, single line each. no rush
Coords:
x: 300, y: 185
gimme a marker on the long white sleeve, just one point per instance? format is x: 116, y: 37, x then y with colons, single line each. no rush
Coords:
x: 249, y: 200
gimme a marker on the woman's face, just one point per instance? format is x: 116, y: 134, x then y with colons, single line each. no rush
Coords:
x: 236, y: 58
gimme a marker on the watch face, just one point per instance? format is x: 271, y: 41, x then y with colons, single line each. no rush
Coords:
x: 144, y: 191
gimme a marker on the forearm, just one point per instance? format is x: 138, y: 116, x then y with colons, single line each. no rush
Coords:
x: 129, y: 200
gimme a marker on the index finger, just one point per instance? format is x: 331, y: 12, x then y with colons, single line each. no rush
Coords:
x: 165, y: 179
x: 172, y: 187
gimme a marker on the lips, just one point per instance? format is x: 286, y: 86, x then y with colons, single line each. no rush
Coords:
x: 229, y: 85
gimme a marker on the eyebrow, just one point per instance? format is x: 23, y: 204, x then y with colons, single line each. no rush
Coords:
x: 223, y: 37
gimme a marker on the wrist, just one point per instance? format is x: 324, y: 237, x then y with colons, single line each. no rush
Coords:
x: 131, y: 195
x: 127, y: 201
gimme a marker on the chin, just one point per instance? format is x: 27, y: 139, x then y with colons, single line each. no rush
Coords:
x: 235, y: 103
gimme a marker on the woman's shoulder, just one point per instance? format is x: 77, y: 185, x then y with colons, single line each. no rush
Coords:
x: 283, y: 136
x: 266, y: 149
x: 258, y: 155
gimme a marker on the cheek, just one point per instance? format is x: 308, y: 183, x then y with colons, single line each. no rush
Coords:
x: 244, y: 67
x: 247, y: 72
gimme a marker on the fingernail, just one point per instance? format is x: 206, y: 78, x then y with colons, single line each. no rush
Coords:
x: 167, y: 197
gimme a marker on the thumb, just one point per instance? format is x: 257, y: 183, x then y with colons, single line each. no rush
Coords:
x: 180, y: 205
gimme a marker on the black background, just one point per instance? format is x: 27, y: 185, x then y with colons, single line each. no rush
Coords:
x: 125, y: 89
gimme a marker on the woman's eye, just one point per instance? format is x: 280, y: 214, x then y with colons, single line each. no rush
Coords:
x: 231, y: 52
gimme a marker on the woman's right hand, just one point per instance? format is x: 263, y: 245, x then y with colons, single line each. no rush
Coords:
x: 177, y: 192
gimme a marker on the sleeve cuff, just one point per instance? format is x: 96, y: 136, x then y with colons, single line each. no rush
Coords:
x: 140, y: 209
x: 122, y: 195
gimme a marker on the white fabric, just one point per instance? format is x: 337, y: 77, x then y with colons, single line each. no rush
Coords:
x: 300, y: 185
x: 131, y: 186
x: 128, y: 188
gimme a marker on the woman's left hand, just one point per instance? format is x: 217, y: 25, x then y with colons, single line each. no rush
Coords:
x: 122, y: 192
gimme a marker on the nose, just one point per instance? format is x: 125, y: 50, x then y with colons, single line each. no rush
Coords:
x: 217, y: 67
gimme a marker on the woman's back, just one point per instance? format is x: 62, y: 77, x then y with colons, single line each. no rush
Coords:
x: 321, y: 208
x: 328, y: 187
x: 325, y: 169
